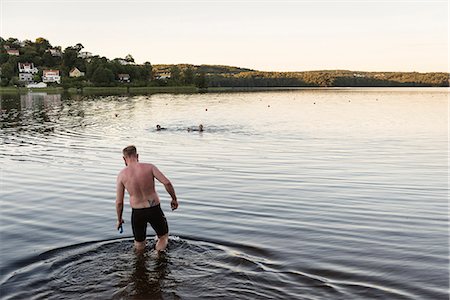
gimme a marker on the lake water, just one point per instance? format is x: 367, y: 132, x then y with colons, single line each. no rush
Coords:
x: 304, y: 194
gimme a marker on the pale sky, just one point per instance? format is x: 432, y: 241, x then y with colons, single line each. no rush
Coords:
x: 284, y: 35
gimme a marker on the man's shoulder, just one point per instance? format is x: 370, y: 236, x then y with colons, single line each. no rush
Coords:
x: 147, y: 165
x: 122, y: 172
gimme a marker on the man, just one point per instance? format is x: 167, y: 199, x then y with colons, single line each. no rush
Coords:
x: 139, y: 180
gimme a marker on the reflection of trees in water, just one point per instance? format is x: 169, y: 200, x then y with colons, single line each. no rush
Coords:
x: 37, y: 112
x: 9, y: 102
x: 39, y: 101
x: 46, y: 113
x: 29, y: 111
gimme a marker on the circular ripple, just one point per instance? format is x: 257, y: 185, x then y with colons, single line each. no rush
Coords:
x: 112, y: 270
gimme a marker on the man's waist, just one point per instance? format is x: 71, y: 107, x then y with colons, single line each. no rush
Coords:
x: 149, y: 207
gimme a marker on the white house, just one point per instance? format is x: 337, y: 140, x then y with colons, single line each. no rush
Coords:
x: 51, y: 76
x: 124, y: 62
x: 13, y: 52
x: 124, y: 77
x: 84, y: 54
x: 55, y: 52
x: 162, y: 75
x: 20, y: 43
x: 76, y: 73
x: 27, y: 68
x: 26, y: 77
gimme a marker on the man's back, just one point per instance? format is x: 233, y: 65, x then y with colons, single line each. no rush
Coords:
x: 138, y: 180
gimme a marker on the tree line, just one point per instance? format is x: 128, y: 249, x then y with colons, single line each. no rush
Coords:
x: 98, y: 70
x: 329, y: 79
x: 101, y: 71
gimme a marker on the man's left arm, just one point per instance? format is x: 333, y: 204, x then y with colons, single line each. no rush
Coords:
x: 120, y: 193
x: 168, y: 185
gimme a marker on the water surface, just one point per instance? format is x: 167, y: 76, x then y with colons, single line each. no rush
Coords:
x: 307, y: 194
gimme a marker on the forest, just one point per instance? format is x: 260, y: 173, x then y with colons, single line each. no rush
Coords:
x: 104, y: 72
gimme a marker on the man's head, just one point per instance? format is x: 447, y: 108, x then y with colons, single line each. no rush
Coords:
x: 129, y: 153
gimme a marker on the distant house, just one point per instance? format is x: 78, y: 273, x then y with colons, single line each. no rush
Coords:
x: 51, y: 76
x: 124, y: 77
x: 27, y: 68
x: 55, y: 52
x: 26, y: 77
x: 13, y: 52
x: 162, y: 75
x: 124, y: 62
x: 76, y: 73
x: 20, y: 43
x: 84, y: 54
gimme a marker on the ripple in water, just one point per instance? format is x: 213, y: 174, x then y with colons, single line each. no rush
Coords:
x: 190, y: 269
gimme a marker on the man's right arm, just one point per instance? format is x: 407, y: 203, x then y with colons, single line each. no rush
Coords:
x: 120, y: 192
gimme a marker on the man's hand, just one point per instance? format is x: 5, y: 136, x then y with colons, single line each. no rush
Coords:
x: 174, y: 204
x: 119, y: 223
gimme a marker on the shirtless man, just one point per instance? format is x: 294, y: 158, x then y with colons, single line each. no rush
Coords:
x: 139, y: 180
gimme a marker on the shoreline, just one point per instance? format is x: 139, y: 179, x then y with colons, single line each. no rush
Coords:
x: 121, y: 90
x: 114, y: 90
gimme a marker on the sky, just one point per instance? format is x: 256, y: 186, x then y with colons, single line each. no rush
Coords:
x: 266, y: 35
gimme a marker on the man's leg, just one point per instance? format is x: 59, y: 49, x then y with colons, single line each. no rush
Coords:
x: 159, y: 224
x: 139, y: 246
x: 139, y: 226
x: 161, y: 244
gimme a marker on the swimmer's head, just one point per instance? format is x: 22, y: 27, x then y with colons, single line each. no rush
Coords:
x: 158, y: 127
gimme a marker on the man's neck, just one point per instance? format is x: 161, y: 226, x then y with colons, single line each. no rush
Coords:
x: 132, y: 162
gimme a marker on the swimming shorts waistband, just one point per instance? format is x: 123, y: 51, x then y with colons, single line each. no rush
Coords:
x: 150, y: 207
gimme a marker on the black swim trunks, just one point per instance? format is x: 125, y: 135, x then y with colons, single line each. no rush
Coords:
x: 153, y: 215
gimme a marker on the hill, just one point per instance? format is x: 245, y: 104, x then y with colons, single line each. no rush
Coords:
x: 22, y: 62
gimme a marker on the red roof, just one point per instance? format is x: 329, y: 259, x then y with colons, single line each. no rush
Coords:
x: 51, y: 71
x: 25, y: 64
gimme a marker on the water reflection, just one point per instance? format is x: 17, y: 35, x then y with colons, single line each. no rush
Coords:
x: 148, y: 276
x: 39, y: 100
x: 23, y: 111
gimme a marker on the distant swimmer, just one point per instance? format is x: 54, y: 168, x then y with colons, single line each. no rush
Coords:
x: 199, y: 129
x: 159, y: 128
x: 139, y: 180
